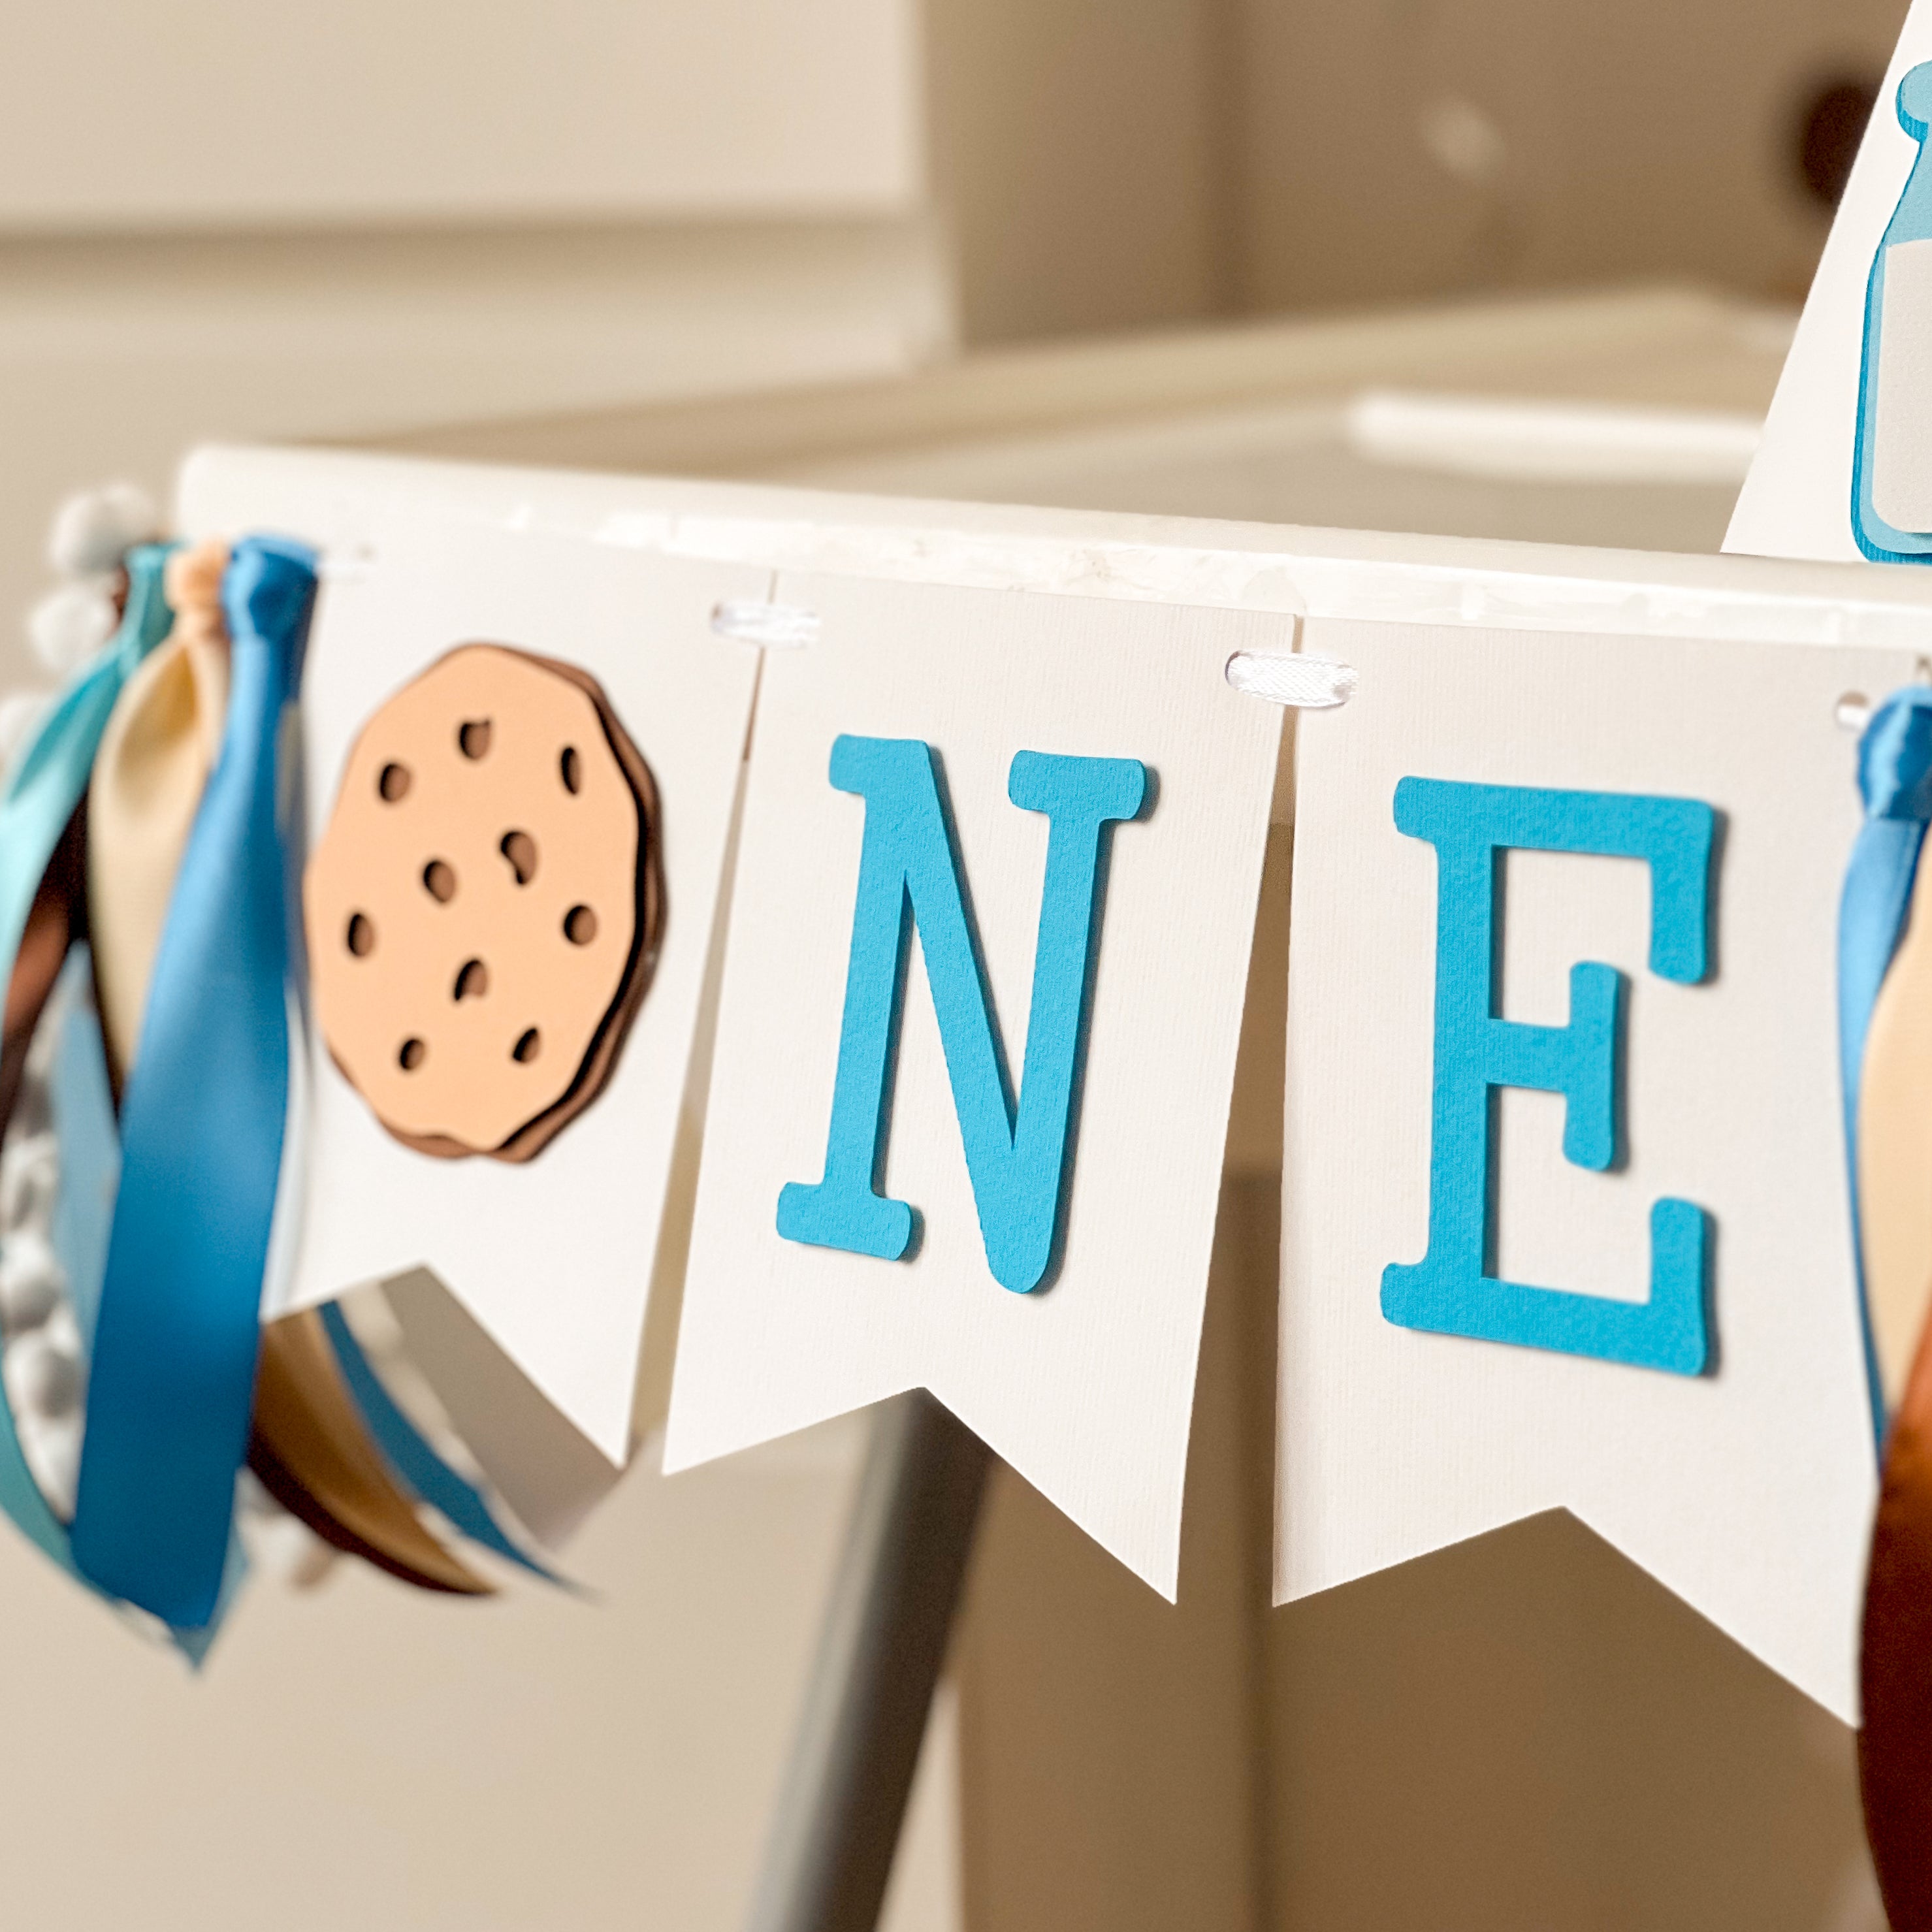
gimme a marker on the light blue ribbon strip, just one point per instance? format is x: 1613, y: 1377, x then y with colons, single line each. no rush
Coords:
x: 411, y: 1457
x: 1895, y: 777
x: 41, y: 791
x: 203, y: 1117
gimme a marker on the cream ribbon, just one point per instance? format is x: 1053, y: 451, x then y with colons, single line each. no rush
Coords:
x: 1895, y: 1150
x: 153, y: 764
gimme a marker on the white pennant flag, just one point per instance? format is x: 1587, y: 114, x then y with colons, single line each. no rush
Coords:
x: 994, y: 893
x: 1565, y: 1214
x: 552, y: 1257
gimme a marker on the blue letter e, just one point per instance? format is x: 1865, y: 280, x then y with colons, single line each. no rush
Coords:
x: 1452, y: 1290
x: 908, y: 872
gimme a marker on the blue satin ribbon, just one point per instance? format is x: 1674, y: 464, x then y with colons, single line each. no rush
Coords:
x: 203, y: 1117
x: 1895, y: 778
x: 411, y: 1457
x: 41, y: 790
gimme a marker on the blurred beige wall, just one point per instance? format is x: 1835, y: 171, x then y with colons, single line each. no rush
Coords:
x: 219, y: 219
x: 116, y: 114
x: 1084, y: 154
x: 1105, y: 166
x: 1397, y: 149
x: 117, y: 352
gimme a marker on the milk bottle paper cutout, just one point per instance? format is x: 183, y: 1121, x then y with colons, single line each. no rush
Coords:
x: 550, y: 1248
x: 868, y: 1222
x: 1891, y: 506
x: 1845, y: 469
x: 1728, y: 1449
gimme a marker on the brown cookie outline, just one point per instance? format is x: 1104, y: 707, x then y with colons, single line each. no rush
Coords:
x: 600, y: 1057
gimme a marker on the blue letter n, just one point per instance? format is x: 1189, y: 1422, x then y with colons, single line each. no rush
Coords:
x: 909, y: 871
x: 1452, y: 1291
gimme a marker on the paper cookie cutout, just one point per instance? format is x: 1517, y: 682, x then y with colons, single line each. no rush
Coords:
x: 484, y: 906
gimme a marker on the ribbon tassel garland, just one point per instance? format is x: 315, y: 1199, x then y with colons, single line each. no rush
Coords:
x: 202, y: 1124
x: 309, y: 1446
x: 144, y: 843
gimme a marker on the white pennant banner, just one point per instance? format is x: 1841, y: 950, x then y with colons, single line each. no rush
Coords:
x: 1483, y: 1316
x: 1564, y: 1216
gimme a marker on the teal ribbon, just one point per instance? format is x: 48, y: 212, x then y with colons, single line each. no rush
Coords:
x: 41, y: 791
x: 1895, y: 779
x: 203, y: 1117
x: 411, y: 1459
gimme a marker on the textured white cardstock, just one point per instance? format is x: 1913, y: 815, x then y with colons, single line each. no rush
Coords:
x: 1797, y: 500
x: 552, y: 1257
x: 1748, y: 1490
x: 1085, y: 1386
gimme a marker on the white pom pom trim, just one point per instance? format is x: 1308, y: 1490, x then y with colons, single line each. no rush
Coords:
x: 68, y: 625
x: 93, y: 530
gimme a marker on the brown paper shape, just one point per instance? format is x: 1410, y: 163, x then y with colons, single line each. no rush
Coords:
x: 160, y: 745
x: 314, y: 1456
x: 42, y: 951
x: 1895, y: 1663
x: 1894, y: 1169
x: 1895, y: 1177
x: 484, y: 906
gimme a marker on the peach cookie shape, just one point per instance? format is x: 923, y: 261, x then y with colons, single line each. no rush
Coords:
x: 483, y: 909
